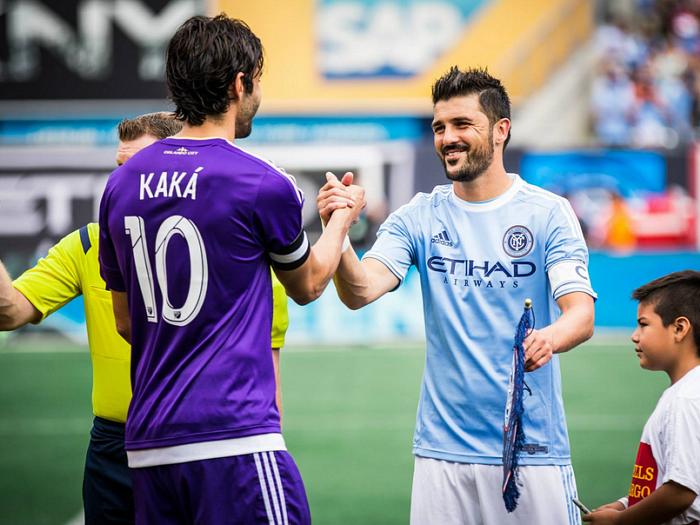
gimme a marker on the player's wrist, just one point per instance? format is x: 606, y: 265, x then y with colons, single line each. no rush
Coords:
x: 346, y: 240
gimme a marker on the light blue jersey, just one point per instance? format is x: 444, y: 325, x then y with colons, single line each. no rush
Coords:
x: 478, y: 262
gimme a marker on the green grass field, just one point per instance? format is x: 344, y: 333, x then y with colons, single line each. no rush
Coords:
x: 348, y: 420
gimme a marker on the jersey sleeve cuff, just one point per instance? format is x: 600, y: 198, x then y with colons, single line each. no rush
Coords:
x: 389, y: 264
x: 293, y: 255
x: 113, y: 280
x: 33, y: 300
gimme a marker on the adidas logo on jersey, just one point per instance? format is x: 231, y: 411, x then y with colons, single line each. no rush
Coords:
x: 442, y: 238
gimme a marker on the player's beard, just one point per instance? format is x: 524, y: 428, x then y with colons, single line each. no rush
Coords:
x: 244, y: 118
x: 477, y: 161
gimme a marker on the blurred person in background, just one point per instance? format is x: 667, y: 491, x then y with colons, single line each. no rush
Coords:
x: 71, y: 269
x: 619, y: 235
x: 657, y: 49
x: 481, y: 245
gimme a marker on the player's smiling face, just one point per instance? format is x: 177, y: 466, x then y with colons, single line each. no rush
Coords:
x: 653, y: 341
x: 463, y: 137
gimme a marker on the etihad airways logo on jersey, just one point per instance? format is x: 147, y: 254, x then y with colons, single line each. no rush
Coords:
x: 481, y: 274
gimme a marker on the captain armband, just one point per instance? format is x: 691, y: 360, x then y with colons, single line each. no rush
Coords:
x: 568, y: 276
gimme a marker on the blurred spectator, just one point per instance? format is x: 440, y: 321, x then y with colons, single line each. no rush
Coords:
x: 655, y: 49
x: 620, y: 235
x: 613, y: 105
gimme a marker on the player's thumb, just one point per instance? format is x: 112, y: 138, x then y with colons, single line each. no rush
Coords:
x: 330, y: 177
x: 347, y: 178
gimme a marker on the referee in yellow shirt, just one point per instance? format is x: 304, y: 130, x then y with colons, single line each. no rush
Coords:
x: 71, y: 269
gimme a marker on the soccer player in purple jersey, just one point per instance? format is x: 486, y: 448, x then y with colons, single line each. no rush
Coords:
x: 189, y: 227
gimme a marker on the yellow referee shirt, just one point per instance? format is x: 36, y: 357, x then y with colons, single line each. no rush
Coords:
x: 71, y: 268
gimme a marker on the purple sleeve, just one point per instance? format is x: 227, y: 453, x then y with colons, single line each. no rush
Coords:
x: 278, y: 218
x: 109, y: 266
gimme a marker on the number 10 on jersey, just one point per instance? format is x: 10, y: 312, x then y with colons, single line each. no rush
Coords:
x: 197, y: 288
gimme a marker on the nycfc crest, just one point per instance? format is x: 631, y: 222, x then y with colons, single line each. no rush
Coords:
x: 518, y: 241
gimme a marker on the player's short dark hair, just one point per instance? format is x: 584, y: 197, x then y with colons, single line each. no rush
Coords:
x: 161, y: 125
x: 674, y: 295
x: 493, y: 97
x: 203, y: 59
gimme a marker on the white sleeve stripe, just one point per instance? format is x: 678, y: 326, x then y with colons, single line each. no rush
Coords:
x: 293, y: 256
x: 562, y: 203
x: 278, y: 170
x: 386, y: 262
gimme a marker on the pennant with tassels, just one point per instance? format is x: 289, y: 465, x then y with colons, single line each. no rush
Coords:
x: 513, y: 434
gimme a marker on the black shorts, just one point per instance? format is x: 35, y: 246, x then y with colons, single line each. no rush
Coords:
x: 107, y: 492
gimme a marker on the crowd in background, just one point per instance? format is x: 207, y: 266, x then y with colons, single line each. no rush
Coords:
x: 646, y: 92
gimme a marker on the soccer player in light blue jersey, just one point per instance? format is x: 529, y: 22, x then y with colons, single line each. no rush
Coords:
x: 481, y: 245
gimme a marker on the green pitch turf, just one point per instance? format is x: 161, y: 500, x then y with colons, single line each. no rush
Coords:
x: 348, y: 420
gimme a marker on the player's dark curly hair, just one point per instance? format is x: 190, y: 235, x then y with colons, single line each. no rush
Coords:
x: 674, y: 295
x: 493, y: 97
x: 203, y: 58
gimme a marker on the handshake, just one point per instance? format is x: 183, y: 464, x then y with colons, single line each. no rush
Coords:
x: 340, y: 195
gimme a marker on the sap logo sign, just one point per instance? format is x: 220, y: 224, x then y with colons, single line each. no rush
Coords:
x: 384, y: 38
x: 87, y: 48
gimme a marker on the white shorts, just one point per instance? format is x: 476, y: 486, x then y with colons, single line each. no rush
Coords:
x: 449, y: 493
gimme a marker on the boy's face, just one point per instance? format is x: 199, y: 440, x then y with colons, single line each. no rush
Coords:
x: 653, y: 341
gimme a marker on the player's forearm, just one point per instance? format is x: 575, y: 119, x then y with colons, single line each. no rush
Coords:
x: 352, y: 282
x: 15, y: 309
x: 669, y: 500
x: 573, y: 327
x: 323, y: 261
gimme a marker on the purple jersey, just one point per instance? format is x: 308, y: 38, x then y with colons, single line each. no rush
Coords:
x: 189, y: 229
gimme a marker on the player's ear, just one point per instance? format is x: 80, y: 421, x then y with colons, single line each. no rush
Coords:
x: 237, y: 87
x: 681, y: 328
x: 500, y: 131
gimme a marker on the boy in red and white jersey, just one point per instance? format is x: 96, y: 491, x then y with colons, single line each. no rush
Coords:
x: 666, y: 477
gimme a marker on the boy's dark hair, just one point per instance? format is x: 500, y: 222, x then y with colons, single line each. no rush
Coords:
x: 674, y: 295
x: 203, y: 58
x: 493, y: 97
x: 161, y: 125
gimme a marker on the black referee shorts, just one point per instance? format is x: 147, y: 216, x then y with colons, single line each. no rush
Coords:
x: 107, y: 493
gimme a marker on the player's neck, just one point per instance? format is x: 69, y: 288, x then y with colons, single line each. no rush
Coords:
x: 223, y: 127
x: 492, y: 183
x: 688, y: 359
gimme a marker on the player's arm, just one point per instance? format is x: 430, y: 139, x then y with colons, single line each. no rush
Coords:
x: 357, y: 283
x: 571, y: 329
x: 666, y: 502
x: 15, y: 308
x: 110, y: 272
x: 41, y: 290
x: 122, y: 318
x: 305, y: 282
x: 278, y: 385
x: 566, y: 259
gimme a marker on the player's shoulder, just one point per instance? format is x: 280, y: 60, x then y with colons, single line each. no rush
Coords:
x: 689, y: 387
x: 537, y: 196
x: 424, y: 200
x: 267, y: 168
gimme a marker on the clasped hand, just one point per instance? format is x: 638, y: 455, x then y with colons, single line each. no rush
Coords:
x: 340, y: 194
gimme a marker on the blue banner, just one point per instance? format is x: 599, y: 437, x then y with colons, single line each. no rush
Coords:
x: 624, y: 172
x: 387, y: 38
